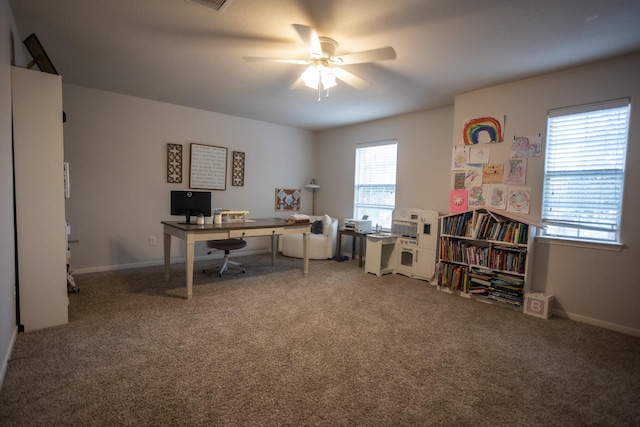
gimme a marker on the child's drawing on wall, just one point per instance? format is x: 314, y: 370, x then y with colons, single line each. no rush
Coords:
x: 515, y: 171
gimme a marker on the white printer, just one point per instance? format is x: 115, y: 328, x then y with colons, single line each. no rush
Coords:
x: 358, y: 225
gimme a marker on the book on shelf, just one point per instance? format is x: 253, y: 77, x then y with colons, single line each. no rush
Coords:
x: 514, y: 249
x: 480, y: 219
x: 505, y: 300
x: 465, y: 280
x: 508, y: 292
x: 478, y: 275
x: 506, y: 285
x: 481, y: 281
x: 458, y: 225
x: 510, y: 279
x: 454, y: 277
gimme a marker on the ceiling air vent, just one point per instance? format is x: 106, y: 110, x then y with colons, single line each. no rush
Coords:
x: 216, y: 5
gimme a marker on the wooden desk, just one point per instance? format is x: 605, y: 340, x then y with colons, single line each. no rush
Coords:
x: 192, y: 233
x: 355, y: 235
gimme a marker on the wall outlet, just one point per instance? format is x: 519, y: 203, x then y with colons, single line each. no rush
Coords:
x: 152, y: 240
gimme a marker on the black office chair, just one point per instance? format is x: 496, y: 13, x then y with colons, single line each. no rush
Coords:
x: 226, y: 245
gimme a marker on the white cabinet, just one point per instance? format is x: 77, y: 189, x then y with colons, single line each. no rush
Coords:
x: 39, y: 191
x: 425, y: 263
x: 381, y: 254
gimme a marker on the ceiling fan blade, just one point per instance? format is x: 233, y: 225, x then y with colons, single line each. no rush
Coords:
x: 310, y: 39
x: 373, y: 55
x: 278, y: 60
x: 350, y: 78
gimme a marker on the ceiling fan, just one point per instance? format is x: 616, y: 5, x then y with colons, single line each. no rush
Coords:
x: 323, y: 66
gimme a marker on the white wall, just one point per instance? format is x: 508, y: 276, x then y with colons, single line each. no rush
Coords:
x: 10, y: 54
x: 424, y: 146
x: 590, y: 284
x: 116, y: 146
x: 7, y: 254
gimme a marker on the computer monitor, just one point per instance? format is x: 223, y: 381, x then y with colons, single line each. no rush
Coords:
x: 190, y: 203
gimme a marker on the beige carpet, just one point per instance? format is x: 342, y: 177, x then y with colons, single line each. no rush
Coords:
x: 339, y: 348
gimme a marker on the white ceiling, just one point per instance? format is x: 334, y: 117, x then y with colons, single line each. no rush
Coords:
x: 185, y: 53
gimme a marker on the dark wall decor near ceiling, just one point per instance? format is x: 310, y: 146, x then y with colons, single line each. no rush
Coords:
x: 40, y: 57
x: 174, y: 163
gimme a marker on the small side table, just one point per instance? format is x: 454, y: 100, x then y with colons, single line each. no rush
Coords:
x: 355, y: 235
x: 381, y: 254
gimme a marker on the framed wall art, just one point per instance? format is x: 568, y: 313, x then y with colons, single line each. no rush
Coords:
x: 237, y: 169
x: 288, y: 199
x: 174, y: 163
x: 208, y: 167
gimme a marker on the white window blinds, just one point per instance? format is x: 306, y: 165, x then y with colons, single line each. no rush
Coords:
x: 584, y: 170
x: 375, y: 182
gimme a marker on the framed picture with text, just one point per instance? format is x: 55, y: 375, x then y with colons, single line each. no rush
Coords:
x: 208, y: 167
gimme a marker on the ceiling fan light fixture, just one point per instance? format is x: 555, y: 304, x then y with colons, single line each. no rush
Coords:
x: 311, y: 77
x: 328, y: 79
x: 318, y: 74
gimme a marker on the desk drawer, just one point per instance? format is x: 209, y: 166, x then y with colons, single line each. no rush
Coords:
x: 305, y: 228
x: 256, y: 232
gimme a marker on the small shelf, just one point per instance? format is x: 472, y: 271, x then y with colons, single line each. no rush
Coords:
x: 381, y: 254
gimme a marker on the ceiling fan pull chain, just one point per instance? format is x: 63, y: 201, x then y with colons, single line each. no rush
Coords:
x: 319, y: 92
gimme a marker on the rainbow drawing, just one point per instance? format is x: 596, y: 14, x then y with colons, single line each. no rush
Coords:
x: 474, y: 128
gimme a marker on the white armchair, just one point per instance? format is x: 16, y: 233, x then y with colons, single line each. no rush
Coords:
x: 322, y: 245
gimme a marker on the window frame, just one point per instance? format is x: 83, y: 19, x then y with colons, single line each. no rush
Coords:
x: 558, y: 229
x: 358, y: 205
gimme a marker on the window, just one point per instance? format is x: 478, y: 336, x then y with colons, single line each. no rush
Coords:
x: 584, y: 171
x: 375, y: 182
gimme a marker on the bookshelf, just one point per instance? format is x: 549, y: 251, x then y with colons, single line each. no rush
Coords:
x: 486, y: 255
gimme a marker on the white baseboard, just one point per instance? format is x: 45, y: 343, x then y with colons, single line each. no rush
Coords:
x: 596, y: 322
x: 161, y: 262
x: 7, y: 356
